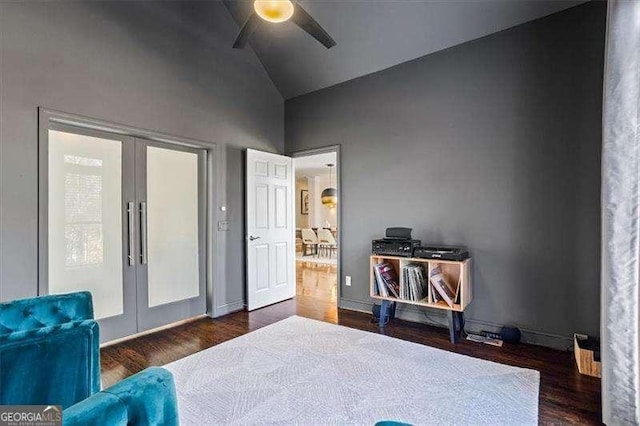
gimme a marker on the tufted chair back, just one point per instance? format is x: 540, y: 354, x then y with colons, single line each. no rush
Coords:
x: 49, y: 350
x: 45, y: 311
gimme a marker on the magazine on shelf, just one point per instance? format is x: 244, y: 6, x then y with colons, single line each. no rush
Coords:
x: 387, y: 280
x: 380, y: 285
x: 448, y: 292
x: 414, y: 283
x: 435, y: 295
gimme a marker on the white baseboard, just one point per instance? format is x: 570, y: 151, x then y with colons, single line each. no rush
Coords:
x: 439, y: 319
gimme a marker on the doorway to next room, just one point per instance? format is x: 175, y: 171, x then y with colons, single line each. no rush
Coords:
x: 317, y: 230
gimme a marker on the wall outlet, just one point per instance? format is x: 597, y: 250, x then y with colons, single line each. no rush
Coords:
x: 223, y: 225
x: 347, y: 281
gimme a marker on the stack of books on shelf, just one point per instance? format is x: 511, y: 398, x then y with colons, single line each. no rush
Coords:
x: 442, y: 288
x: 386, y: 280
x: 414, y: 284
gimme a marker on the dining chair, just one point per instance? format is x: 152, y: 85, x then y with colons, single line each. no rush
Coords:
x: 326, y: 242
x: 309, y: 238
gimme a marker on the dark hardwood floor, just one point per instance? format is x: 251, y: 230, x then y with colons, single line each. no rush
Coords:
x: 565, y: 395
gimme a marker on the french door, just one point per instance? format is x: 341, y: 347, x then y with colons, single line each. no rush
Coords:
x: 125, y: 220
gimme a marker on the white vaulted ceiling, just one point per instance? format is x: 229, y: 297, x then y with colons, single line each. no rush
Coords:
x: 315, y: 165
x: 372, y: 35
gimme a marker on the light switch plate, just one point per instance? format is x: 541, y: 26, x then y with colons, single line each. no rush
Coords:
x: 223, y: 225
x: 347, y: 280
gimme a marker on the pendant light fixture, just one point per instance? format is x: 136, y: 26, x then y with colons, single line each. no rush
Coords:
x: 274, y: 10
x: 329, y: 196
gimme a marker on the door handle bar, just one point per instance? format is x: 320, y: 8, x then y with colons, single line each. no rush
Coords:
x: 252, y: 238
x: 143, y: 234
x: 130, y: 235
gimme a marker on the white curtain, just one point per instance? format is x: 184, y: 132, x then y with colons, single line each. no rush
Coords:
x: 620, y: 216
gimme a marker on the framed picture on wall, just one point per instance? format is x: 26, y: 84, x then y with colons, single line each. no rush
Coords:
x: 304, y: 201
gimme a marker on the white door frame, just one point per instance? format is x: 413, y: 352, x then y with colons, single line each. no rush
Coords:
x: 324, y: 150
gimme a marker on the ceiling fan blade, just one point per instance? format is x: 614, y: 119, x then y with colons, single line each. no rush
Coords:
x: 302, y: 19
x: 249, y: 27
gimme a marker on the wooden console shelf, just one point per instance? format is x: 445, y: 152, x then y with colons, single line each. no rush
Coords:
x: 453, y: 271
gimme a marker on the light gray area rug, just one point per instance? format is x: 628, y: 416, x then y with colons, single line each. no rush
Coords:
x: 302, y: 371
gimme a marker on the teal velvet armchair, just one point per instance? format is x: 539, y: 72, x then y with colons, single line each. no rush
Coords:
x: 49, y: 350
x: 50, y: 355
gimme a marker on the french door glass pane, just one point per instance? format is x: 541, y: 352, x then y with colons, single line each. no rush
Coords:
x: 172, y: 199
x: 85, y: 219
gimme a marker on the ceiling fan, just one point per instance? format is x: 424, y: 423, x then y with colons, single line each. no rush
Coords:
x: 276, y: 11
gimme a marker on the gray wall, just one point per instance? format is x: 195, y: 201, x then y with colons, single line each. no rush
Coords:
x: 494, y: 144
x: 164, y: 66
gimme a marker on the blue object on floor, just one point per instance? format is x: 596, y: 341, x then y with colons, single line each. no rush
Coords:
x: 49, y: 350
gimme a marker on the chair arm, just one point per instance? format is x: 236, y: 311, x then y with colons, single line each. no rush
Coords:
x: 148, y: 398
x: 55, y: 365
x: 101, y: 408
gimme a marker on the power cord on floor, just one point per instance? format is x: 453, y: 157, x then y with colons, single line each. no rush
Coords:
x: 433, y: 321
x: 463, y: 332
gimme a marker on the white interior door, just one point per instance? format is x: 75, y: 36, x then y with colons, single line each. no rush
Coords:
x: 270, y: 229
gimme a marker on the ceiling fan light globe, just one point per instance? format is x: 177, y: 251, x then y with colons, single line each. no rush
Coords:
x: 274, y: 10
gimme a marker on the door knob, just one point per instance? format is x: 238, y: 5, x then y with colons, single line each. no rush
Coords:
x: 251, y: 238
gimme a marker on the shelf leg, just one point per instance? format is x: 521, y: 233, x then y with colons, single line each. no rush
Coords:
x: 455, y: 326
x: 383, y: 313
